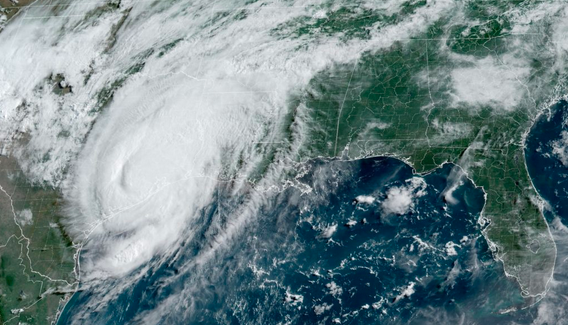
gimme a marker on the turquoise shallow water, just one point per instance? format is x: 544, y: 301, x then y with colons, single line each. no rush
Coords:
x: 327, y: 256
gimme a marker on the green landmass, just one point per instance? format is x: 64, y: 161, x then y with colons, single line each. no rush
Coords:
x: 37, y: 260
x: 36, y: 257
x: 37, y: 265
x: 398, y: 101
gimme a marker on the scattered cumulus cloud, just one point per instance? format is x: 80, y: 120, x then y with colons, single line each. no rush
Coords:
x: 407, y: 292
x: 367, y: 199
x: 154, y: 156
x: 451, y: 248
x: 24, y: 217
x: 400, y: 199
x: 320, y: 309
x: 560, y: 148
x: 334, y: 289
x: 328, y: 231
x: 449, y: 131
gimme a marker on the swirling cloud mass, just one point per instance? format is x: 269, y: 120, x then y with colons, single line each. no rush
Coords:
x: 146, y: 114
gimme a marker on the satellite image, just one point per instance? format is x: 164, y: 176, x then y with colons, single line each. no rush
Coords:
x: 283, y: 162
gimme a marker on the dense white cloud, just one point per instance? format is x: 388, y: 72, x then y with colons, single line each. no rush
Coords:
x: 135, y: 174
x: 400, y: 199
x: 187, y: 117
x: 492, y: 82
x: 24, y: 217
x: 365, y: 199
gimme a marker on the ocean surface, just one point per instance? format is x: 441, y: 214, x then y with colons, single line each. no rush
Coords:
x: 545, y: 148
x: 359, y: 242
x: 546, y: 152
x: 171, y: 132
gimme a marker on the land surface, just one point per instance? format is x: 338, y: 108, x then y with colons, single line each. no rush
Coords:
x: 10, y: 8
x: 465, y: 91
x: 402, y: 102
x: 37, y: 266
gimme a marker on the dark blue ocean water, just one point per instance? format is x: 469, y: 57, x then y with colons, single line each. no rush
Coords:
x: 546, y: 152
x: 549, y: 174
x: 323, y: 257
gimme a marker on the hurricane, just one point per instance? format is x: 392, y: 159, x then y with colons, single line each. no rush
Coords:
x: 283, y: 162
